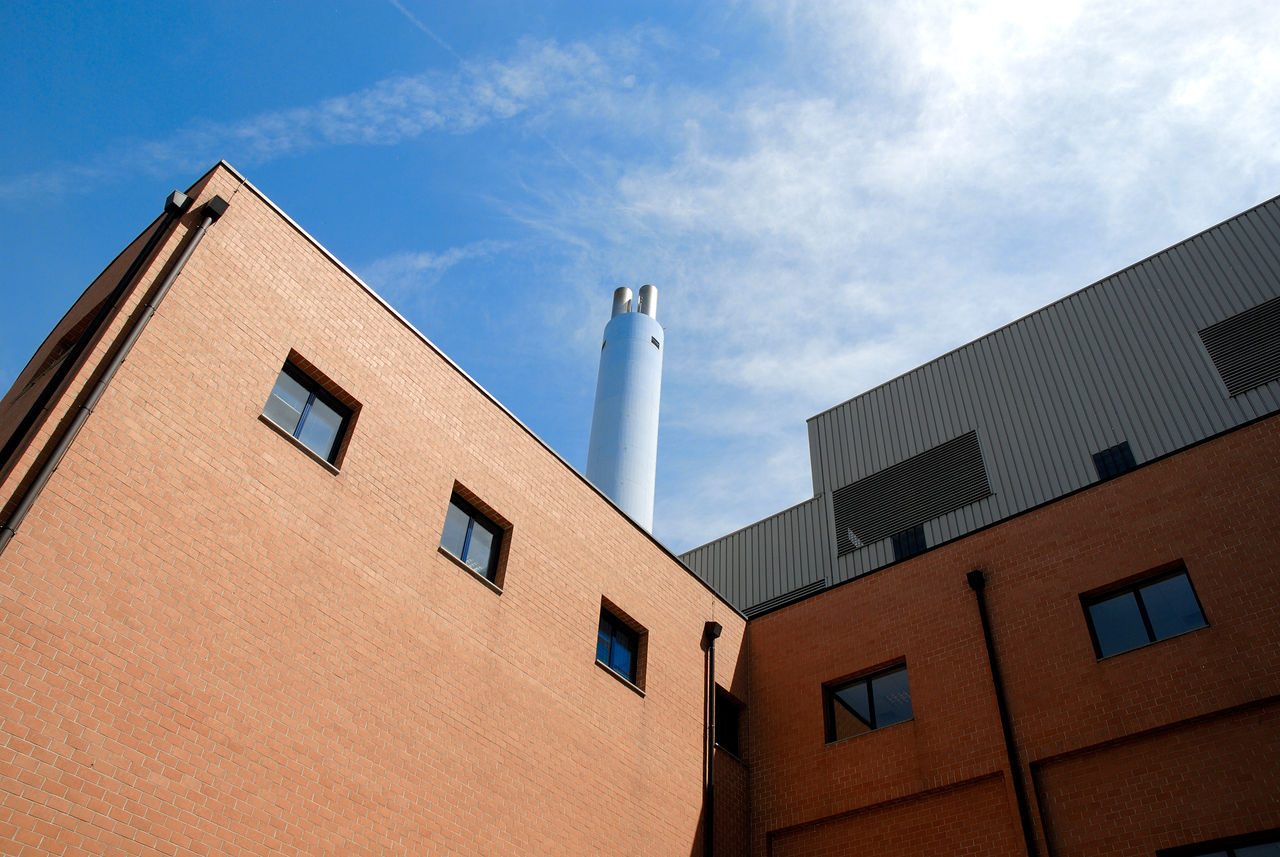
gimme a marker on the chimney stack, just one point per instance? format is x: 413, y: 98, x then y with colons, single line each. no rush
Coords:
x: 622, y: 458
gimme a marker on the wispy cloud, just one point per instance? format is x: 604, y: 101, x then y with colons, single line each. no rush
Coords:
x: 897, y: 179
x: 409, y: 274
x: 539, y: 75
x: 917, y: 174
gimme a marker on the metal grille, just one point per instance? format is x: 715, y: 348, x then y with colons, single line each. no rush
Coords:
x: 1245, y: 348
x: 1113, y: 461
x: 909, y: 493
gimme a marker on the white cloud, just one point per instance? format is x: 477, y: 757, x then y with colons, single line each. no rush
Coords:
x: 408, y: 274
x: 905, y: 177
x: 918, y: 174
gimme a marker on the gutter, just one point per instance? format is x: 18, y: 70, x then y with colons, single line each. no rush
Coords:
x: 173, y: 208
x: 978, y: 583
x: 710, y: 633
x: 212, y: 210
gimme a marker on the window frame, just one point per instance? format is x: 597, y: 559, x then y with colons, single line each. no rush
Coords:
x: 320, y: 388
x: 1135, y: 586
x: 629, y: 627
x: 831, y: 688
x: 1226, y: 845
x: 466, y: 503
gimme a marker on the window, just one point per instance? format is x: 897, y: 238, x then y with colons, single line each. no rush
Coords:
x: 728, y: 722
x: 908, y: 543
x: 618, y: 646
x: 1113, y: 461
x: 302, y: 409
x: 1152, y: 610
x: 1263, y: 844
x: 870, y: 702
x: 472, y: 538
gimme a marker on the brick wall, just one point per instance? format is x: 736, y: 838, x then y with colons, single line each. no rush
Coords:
x: 968, y: 820
x: 213, y: 644
x: 1149, y: 719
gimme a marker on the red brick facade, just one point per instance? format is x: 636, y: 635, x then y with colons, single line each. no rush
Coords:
x: 1166, y: 745
x: 214, y: 644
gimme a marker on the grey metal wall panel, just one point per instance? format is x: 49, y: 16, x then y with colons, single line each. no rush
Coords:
x: 788, y: 553
x: 1121, y: 360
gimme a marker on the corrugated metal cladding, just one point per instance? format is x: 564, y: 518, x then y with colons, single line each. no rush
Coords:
x: 1122, y: 360
x: 770, y: 562
x: 909, y: 493
x: 1246, y: 347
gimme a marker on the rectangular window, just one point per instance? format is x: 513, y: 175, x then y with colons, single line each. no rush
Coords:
x: 867, y: 703
x: 618, y: 646
x: 1265, y: 843
x: 1144, y: 613
x: 470, y: 537
x: 302, y: 409
x: 1113, y: 461
x: 728, y: 722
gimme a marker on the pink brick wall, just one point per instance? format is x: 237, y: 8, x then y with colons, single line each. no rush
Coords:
x: 214, y: 645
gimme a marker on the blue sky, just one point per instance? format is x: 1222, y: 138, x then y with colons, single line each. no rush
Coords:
x: 827, y: 194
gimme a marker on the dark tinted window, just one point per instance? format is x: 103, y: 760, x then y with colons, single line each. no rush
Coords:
x: 617, y: 646
x: 301, y: 408
x: 867, y: 703
x: 1149, y: 611
x: 1172, y: 606
x: 1117, y: 624
x: 728, y: 722
x: 1264, y: 843
x: 472, y: 538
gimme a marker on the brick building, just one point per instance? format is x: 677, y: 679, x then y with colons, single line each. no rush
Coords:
x: 278, y: 577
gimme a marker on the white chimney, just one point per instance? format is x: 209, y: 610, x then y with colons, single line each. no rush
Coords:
x: 622, y: 458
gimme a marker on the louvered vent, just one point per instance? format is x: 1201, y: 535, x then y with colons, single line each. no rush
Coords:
x: 909, y: 493
x: 1113, y: 461
x: 1245, y: 348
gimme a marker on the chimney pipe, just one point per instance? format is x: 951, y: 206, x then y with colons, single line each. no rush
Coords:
x: 649, y: 301
x: 622, y: 458
x: 621, y: 300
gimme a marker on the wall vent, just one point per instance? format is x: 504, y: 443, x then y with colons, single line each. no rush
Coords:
x: 906, y: 494
x: 1245, y: 348
x: 1113, y: 461
x: 908, y: 543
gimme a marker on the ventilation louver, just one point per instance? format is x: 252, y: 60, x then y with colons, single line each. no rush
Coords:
x: 906, y: 494
x: 1245, y: 348
x: 908, y: 543
x: 1113, y: 461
